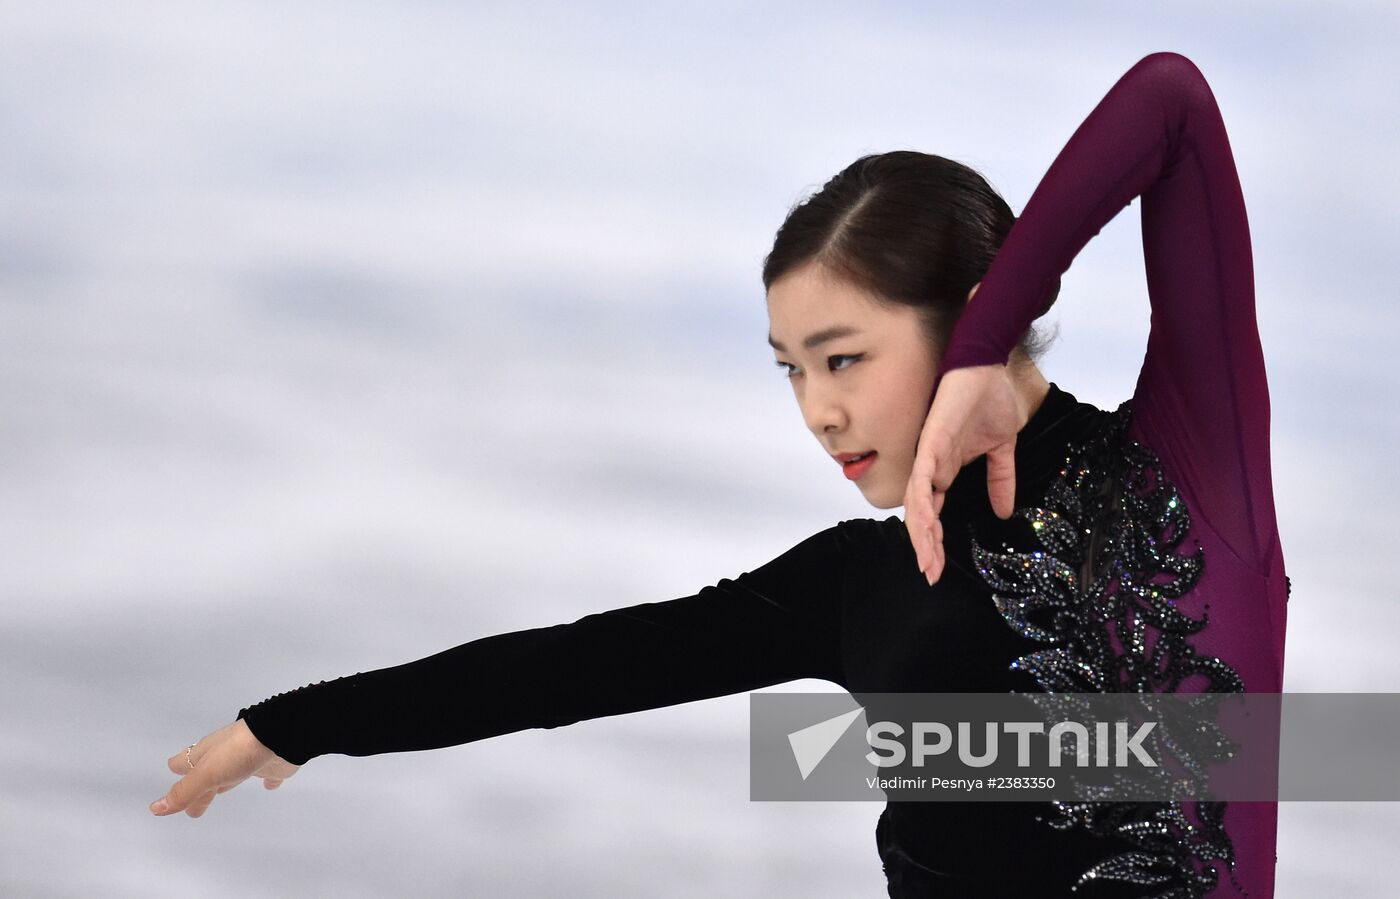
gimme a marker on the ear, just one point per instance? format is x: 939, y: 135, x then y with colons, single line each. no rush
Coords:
x: 973, y: 291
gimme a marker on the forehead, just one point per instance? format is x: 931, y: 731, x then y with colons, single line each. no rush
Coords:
x: 810, y: 299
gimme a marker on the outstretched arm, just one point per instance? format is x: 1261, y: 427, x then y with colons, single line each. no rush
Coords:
x: 777, y: 623
x: 1202, y: 399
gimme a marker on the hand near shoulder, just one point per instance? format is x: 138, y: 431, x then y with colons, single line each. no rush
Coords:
x: 976, y: 410
x: 222, y: 761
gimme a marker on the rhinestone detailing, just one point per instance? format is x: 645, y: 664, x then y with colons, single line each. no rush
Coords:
x: 1100, y: 590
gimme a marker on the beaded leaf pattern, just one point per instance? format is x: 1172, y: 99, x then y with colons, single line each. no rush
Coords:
x: 1100, y: 592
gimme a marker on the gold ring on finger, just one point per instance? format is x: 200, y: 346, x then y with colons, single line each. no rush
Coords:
x: 187, y: 754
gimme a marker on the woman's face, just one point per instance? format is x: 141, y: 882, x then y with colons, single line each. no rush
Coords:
x: 862, y: 371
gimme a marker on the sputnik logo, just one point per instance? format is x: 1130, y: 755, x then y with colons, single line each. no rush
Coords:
x: 811, y: 744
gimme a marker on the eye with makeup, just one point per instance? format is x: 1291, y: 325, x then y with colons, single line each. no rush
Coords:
x: 833, y: 363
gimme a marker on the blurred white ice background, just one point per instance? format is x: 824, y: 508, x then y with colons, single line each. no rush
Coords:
x: 335, y: 334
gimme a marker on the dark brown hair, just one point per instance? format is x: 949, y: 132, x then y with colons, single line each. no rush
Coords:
x: 909, y: 228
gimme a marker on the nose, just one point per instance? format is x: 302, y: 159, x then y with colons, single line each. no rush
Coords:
x: 822, y: 408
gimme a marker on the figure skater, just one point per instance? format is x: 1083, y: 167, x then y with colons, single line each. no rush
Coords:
x: 900, y: 301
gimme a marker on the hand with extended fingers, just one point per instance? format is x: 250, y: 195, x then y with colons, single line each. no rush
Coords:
x: 975, y: 410
x: 217, y: 764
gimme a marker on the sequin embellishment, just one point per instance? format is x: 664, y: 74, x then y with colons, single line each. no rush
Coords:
x: 1101, y: 592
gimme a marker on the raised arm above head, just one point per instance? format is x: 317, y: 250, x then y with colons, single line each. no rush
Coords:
x: 1201, y: 400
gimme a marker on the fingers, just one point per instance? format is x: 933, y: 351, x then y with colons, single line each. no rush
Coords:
x: 183, y: 795
x: 926, y: 531
x: 923, y: 501
x: 188, y: 789
x: 974, y: 407
x: 919, y: 520
x: 216, y: 764
x: 184, y: 761
x: 938, y: 559
x: 201, y: 804
x: 1001, y: 479
x: 915, y: 517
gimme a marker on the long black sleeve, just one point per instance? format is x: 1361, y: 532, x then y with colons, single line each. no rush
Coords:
x: 777, y: 623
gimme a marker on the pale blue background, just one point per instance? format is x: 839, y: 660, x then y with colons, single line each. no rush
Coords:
x: 335, y: 334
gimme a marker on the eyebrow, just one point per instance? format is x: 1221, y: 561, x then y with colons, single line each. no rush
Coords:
x: 815, y: 340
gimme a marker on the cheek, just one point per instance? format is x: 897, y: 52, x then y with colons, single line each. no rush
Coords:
x: 911, y: 427
x: 910, y: 412
x: 900, y: 404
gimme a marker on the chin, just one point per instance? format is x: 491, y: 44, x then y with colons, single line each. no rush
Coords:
x: 884, y: 502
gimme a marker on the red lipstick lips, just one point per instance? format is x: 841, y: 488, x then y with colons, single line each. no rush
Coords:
x: 853, y: 465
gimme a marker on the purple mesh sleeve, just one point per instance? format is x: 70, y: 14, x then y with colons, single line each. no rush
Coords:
x: 1202, y: 400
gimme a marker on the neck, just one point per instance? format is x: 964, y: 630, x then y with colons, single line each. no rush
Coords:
x: 1030, y: 385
